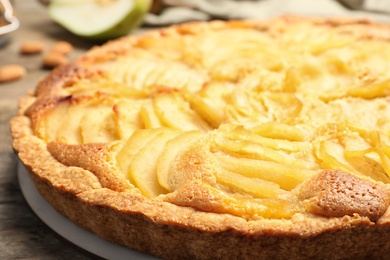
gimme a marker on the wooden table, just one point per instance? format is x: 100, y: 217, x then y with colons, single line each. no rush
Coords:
x: 22, y: 233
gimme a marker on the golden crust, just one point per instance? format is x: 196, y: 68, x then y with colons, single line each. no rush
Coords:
x: 335, y: 194
x: 86, y: 188
x: 91, y: 158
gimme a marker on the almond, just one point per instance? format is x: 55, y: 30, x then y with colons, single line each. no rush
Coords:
x: 53, y: 59
x: 62, y: 47
x: 32, y: 47
x: 11, y: 72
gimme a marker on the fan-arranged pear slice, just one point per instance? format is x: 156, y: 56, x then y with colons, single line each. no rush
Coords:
x: 127, y: 116
x: 256, y: 150
x: 98, y: 126
x: 144, y: 70
x: 143, y: 169
x: 208, y: 112
x: 70, y: 130
x: 132, y: 146
x: 50, y: 124
x: 331, y: 155
x: 175, y: 112
x: 210, y: 102
x: 258, y: 188
x: 99, y: 19
x: 148, y: 116
x: 279, y: 131
x: 239, y: 133
x: 286, y: 176
x: 170, y: 152
x: 105, y: 86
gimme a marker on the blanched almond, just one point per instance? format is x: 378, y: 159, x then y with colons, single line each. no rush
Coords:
x: 52, y: 60
x: 11, y: 72
x: 62, y: 47
x: 32, y: 47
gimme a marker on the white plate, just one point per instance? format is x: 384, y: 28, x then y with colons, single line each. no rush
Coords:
x: 67, y: 229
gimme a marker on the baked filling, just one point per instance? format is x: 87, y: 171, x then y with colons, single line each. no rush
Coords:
x: 253, y: 119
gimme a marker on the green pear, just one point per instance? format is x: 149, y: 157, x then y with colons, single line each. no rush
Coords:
x: 99, y: 19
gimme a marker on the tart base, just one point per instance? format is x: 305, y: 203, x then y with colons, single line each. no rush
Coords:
x: 175, y: 242
x: 73, y: 233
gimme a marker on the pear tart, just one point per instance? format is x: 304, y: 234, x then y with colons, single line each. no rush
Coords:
x: 222, y: 140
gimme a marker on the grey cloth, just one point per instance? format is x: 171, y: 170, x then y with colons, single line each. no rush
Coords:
x: 382, y: 6
x: 189, y: 10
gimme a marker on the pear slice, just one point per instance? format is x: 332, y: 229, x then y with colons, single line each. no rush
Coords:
x: 132, y: 146
x: 210, y: 114
x: 175, y: 112
x: 256, y: 187
x: 143, y: 167
x: 149, y: 117
x: 51, y: 123
x: 99, y: 19
x: 70, y: 131
x: 286, y: 176
x: 97, y: 125
x: 127, y: 117
x: 170, y: 152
